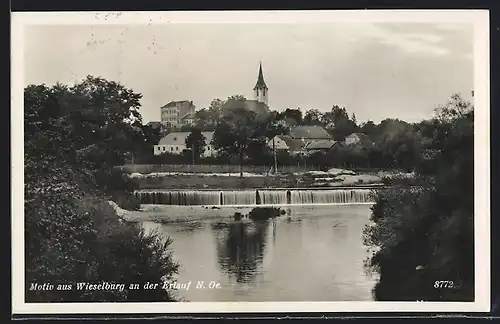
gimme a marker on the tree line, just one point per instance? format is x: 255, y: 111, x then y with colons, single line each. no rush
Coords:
x: 240, y: 138
x: 422, y: 231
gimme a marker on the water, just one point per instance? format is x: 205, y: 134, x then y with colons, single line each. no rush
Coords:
x: 254, y: 197
x: 314, y: 253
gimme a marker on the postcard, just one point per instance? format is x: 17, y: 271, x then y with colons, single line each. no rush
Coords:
x: 250, y: 161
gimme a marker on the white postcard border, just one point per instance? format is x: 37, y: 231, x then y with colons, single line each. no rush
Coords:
x: 480, y: 19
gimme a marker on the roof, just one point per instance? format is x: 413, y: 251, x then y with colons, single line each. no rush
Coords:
x: 360, y: 135
x: 292, y: 144
x: 179, y: 138
x: 320, y: 144
x: 188, y: 115
x: 175, y: 103
x: 259, y: 108
x: 260, y: 80
x: 309, y: 132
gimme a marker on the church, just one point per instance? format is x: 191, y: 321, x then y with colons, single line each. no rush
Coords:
x: 259, y: 105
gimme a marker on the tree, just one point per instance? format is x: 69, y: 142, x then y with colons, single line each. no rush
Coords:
x: 215, y: 109
x: 425, y: 231
x: 195, y: 142
x: 206, y: 119
x: 343, y: 125
x: 369, y: 129
x: 235, y: 132
x: 343, y: 128
x: 313, y: 117
x: 73, y: 137
x: 294, y: 114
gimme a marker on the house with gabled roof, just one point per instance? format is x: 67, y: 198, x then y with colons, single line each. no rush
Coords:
x: 285, y: 143
x: 321, y: 145
x: 175, y: 143
x: 306, y: 133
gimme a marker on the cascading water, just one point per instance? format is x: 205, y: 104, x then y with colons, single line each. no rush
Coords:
x: 343, y: 196
x: 255, y: 197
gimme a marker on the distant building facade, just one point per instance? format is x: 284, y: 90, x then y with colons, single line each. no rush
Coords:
x: 178, y: 113
x: 175, y: 143
x: 285, y: 143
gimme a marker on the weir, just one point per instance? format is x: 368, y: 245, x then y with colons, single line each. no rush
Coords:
x: 255, y: 197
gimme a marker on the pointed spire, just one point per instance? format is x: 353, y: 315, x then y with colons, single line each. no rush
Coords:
x: 260, y: 80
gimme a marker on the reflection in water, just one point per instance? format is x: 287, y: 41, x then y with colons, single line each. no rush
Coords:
x: 312, y: 253
x: 242, y: 249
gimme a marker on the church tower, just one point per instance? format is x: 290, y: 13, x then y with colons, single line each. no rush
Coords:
x: 260, y: 90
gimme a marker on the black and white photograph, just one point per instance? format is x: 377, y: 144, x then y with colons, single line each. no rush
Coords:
x: 258, y: 161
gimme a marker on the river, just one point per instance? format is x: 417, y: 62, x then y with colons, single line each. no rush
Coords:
x: 313, y: 253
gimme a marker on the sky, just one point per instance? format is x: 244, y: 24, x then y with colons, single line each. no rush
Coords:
x: 375, y: 70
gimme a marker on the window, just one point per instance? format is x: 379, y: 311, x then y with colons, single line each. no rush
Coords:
x: 163, y: 148
x: 176, y: 148
x: 171, y: 148
x: 264, y: 92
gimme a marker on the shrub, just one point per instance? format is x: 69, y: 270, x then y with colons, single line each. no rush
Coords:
x: 422, y: 228
x: 263, y: 213
x: 72, y: 240
x: 73, y: 137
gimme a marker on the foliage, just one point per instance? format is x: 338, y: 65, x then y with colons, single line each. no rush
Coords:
x: 292, y: 115
x: 195, y: 141
x: 236, y: 132
x: 264, y: 213
x: 424, y: 232
x: 391, y: 144
x: 73, y: 137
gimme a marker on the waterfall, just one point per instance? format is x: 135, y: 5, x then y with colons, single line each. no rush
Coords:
x: 273, y: 197
x: 333, y: 196
x: 180, y: 197
x: 255, y: 197
x: 239, y: 197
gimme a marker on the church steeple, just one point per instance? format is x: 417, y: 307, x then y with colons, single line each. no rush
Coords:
x: 260, y: 89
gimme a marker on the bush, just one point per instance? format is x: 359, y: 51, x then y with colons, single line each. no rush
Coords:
x: 73, y: 137
x: 423, y: 228
x: 126, y: 200
x: 71, y: 239
x: 264, y: 213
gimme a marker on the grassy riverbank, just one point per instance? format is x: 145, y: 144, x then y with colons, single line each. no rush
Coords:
x: 250, y: 181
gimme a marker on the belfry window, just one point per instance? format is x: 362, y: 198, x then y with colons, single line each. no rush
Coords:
x: 264, y: 92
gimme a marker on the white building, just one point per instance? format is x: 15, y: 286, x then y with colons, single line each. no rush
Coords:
x: 285, y: 143
x: 355, y: 138
x: 175, y: 143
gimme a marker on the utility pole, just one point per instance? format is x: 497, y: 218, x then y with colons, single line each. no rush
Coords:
x: 192, y: 152
x: 274, y: 152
